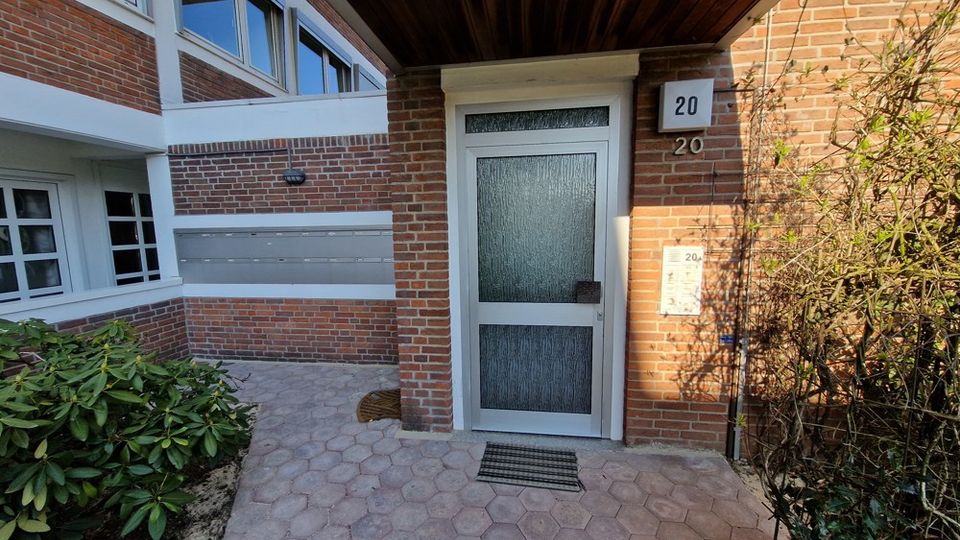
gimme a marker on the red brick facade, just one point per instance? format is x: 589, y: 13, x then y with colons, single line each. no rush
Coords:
x: 302, y: 330
x: 344, y: 174
x: 203, y: 82
x: 415, y: 115
x: 65, y: 44
x: 161, y: 326
x: 334, y: 18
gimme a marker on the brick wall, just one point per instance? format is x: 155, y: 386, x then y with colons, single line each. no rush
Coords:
x: 359, y: 331
x: 334, y: 18
x: 70, y: 46
x: 416, y: 126
x: 344, y: 174
x: 203, y: 82
x: 161, y: 326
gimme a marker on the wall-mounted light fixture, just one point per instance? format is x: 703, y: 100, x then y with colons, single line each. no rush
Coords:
x: 291, y: 176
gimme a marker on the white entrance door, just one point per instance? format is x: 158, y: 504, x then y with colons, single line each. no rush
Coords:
x: 536, y: 261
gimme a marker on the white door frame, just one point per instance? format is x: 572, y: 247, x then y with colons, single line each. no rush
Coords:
x: 618, y: 95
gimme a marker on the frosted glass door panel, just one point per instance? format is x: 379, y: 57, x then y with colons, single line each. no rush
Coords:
x: 536, y: 368
x: 581, y: 117
x: 535, y: 223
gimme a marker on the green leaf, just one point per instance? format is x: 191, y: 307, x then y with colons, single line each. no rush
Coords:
x: 83, y: 472
x: 55, y: 472
x: 18, y: 422
x: 100, y: 412
x: 89, y: 489
x: 33, y: 526
x: 26, y: 497
x: 19, y: 438
x: 134, y: 520
x: 178, y: 497
x: 79, y: 428
x: 41, y: 450
x: 17, y: 407
x: 157, y: 523
x: 41, y: 499
x: 140, y: 470
x: 209, y: 444
x: 123, y: 395
x: 7, y: 530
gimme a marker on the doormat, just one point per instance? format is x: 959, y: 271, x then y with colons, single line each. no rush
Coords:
x: 378, y: 405
x: 529, y: 466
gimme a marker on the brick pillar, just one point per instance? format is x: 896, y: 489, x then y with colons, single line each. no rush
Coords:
x: 419, y: 195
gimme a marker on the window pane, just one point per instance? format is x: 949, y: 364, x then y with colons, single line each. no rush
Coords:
x: 5, y: 247
x: 32, y: 203
x: 529, y: 120
x: 37, y: 239
x: 127, y: 261
x: 262, y: 38
x: 123, y: 233
x: 215, y: 20
x: 130, y: 280
x: 8, y: 278
x: 3, y: 204
x: 309, y: 66
x: 367, y: 84
x: 154, y: 277
x: 120, y: 204
x: 152, y: 263
x: 149, y: 236
x: 42, y: 274
x: 146, y: 207
x: 337, y: 76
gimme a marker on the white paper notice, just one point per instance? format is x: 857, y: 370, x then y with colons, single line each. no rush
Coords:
x: 681, y: 281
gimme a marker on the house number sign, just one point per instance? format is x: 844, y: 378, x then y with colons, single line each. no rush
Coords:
x: 686, y: 106
x: 681, y: 280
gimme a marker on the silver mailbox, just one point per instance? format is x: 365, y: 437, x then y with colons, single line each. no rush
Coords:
x: 357, y: 255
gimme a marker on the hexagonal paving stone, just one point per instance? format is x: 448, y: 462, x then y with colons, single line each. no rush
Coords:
x: 570, y: 514
x: 507, y: 489
x: 749, y: 534
x: 595, y: 480
x: 619, y: 472
x: 340, y: 443
x: 325, y: 461
x: 363, y: 485
x: 309, y: 521
x: 327, y: 494
x: 505, y: 509
x: 638, y: 520
x: 405, y: 456
x: 708, y: 525
x: 408, y: 516
x: 451, y: 480
x: 277, y: 457
x: 736, y: 514
x: 538, y: 526
x: 444, y: 505
x: 371, y: 526
x: 477, y: 494
x: 537, y: 500
x: 272, y: 490
x: 665, y: 508
x: 503, y: 531
x: 375, y: 464
x: 309, y: 450
x: 436, y: 529
x: 385, y: 446
x: 428, y: 467
x: 396, y: 476
x: 572, y: 534
x: 288, y: 505
x: 384, y: 500
x: 434, y: 449
x: 677, y: 531
x: 343, y: 473
x: 357, y: 453
x: 418, y: 490
x: 605, y: 528
x: 718, y: 487
x: 691, y: 497
x: 368, y: 437
x: 652, y: 482
x: 347, y: 511
x: 628, y: 493
x: 679, y: 474
x: 352, y: 428
x: 457, y: 459
x: 599, y: 503
x: 472, y: 521
x: 257, y: 475
x: 292, y: 469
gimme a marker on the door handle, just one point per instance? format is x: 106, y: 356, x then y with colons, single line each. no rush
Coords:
x: 588, y: 292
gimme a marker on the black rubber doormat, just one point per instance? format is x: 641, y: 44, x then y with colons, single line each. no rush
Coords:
x: 529, y: 466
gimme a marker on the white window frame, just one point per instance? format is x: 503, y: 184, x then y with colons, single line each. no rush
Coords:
x: 17, y: 256
x: 141, y: 6
x: 243, y: 37
x: 145, y: 274
x: 327, y: 51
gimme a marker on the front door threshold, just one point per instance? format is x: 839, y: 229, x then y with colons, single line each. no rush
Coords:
x: 548, y: 441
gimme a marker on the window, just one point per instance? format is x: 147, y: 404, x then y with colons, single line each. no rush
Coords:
x: 365, y: 81
x: 249, y: 30
x: 133, y: 240
x: 319, y: 71
x: 32, y: 256
x: 143, y: 6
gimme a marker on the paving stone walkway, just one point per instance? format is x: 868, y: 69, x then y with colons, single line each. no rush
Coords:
x: 314, y: 472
